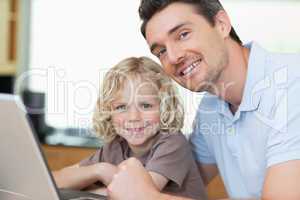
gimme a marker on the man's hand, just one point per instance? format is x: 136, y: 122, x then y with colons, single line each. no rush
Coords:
x: 132, y: 182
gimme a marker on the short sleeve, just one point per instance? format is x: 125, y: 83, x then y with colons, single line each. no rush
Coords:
x: 93, y: 159
x: 199, y: 145
x: 171, y: 158
x: 284, y: 140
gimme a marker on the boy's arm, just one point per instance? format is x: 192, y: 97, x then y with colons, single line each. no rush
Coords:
x: 207, y: 172
x: 159, y: 180
x: 138, y: 181
x: 79, y: 177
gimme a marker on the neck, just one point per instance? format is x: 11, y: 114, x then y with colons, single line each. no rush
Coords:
x: 232, y: 80
x: 140, y: 150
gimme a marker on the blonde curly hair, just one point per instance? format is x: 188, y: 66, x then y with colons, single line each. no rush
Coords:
x: 171, y: 109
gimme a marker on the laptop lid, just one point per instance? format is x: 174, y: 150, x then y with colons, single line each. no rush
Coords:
x: 24, y: 173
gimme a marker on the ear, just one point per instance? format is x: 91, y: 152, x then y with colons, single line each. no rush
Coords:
x: 222, y: 23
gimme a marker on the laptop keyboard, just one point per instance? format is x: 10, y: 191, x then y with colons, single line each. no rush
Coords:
x: 84, y: 198
x: 67, y: 194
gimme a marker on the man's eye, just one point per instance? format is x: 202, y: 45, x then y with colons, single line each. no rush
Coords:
x: 120, y: 108
x: 183, y: 35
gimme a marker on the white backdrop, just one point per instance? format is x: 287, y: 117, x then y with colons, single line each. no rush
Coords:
x: 73, y: 42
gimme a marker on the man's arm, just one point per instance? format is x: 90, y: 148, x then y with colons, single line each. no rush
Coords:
x: 77, y: 177
x: 207, y: 172
x: 282, y: 181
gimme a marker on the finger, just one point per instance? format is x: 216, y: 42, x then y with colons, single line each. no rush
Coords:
x: 133, y: 162
x: 125, y: 162
x: 109, y: 191
x: 122, y: 167
x: 121, y: 164
x: 129, y: 161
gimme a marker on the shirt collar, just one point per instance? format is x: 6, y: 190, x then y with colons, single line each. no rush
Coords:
x: 255, y: 80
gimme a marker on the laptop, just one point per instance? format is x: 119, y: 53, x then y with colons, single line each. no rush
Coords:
x: 24, y: 174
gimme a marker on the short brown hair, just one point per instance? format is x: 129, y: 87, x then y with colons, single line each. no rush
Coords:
x: 206, y: 8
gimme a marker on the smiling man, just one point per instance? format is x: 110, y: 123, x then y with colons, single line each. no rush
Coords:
x: 247, y: 126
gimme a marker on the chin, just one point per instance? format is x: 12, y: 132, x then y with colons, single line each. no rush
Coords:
x: 195, y: 88
x: 205, y: 85
x: 136, y: 143
x: 202, y: 88
x: 190, y: 85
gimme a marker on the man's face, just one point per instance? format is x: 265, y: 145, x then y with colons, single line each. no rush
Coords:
x: 191, y: 50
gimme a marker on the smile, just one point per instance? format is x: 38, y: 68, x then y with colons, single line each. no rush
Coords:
x: 135, y: 129
x: 190, y: 68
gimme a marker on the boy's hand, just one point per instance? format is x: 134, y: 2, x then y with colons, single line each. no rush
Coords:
x: 132, y: 182
x: 105, y: 172
x: 99, y: 190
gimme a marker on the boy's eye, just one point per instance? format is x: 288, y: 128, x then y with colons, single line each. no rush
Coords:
x: 146, y: 106
x: 120, y: 108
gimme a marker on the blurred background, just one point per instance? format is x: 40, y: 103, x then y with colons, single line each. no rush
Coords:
x: 56, y: 52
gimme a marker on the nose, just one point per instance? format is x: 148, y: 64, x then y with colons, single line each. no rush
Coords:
x: 175, y: 54
x: 133, y: 114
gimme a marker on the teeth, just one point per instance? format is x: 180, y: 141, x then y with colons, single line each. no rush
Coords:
x: 190, y: 68
x: 135, y: 129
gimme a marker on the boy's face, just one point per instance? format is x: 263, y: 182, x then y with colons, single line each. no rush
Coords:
x: 136, y: 112
x: 191, y: 50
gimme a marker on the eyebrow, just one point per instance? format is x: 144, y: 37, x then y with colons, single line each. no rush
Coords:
x: 118, y: 103
x: 171, y: 31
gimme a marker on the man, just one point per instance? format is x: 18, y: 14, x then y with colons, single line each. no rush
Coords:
x: 247, y: 125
